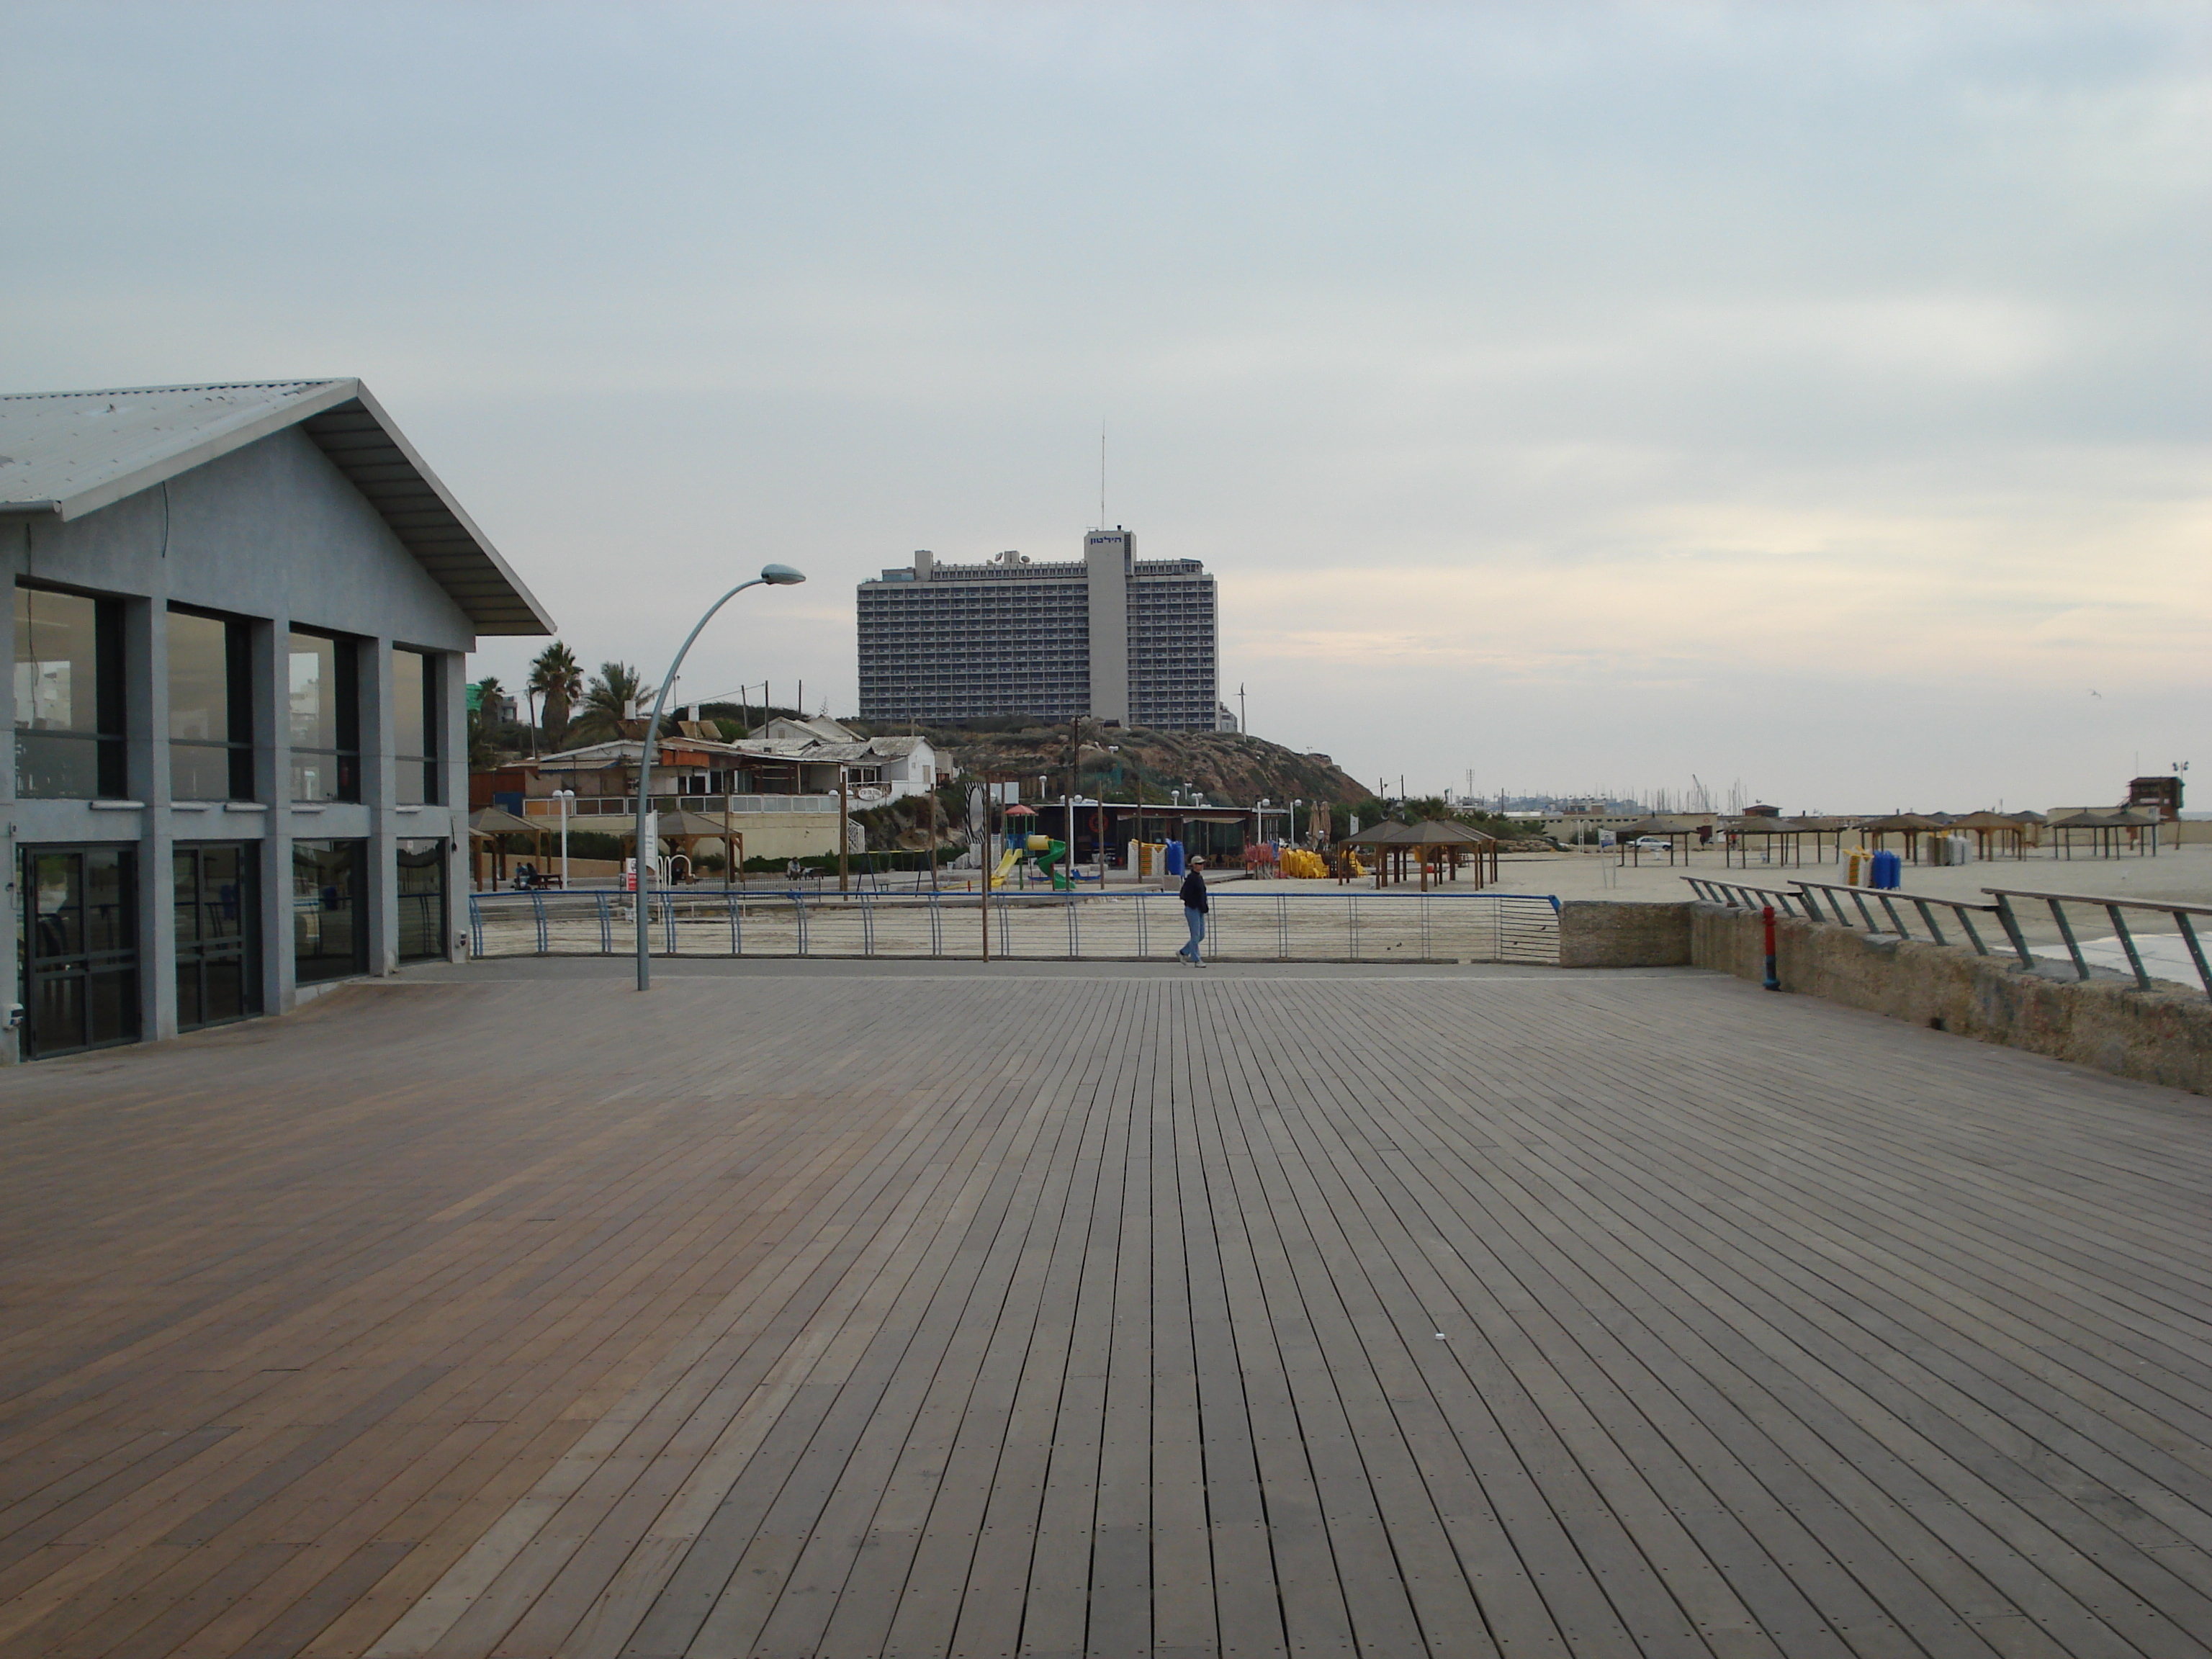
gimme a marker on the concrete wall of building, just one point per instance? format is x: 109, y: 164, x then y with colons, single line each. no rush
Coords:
x: 275, y: 534
x: 768, y: 834
x: 1107, y: 556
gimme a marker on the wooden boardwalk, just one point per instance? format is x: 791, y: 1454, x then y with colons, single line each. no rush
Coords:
x: 1114, y: 1312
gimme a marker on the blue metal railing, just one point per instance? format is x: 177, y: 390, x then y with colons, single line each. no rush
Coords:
x: 1484, y: 926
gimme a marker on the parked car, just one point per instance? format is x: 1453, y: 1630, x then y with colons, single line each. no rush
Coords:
x: 1652, y: 843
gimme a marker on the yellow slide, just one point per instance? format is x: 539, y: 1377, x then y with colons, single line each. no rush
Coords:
x: 1005, y: 864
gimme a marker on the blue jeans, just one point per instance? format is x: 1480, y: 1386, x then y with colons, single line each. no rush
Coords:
x: 1197, y: 921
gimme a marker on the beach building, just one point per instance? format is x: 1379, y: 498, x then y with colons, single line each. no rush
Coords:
x: 235, y: 674
x: 777, y: 789
x: 1120, y: 639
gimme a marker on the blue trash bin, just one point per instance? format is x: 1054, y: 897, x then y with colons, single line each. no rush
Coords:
x: 1888, y: 871
x: 1175, y: 858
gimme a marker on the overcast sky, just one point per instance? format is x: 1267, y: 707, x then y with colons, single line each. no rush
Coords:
x: 1808, y: 396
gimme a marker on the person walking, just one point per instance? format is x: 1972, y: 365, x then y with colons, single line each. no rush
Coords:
x: 1193, y: 912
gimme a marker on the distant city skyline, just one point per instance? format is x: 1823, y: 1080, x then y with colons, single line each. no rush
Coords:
x: 1588, y: 395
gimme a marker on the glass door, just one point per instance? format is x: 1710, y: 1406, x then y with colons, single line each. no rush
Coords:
x: 422, y: 900
x: 218, y: 962
x: 79, y: 949
x: 330, y: 909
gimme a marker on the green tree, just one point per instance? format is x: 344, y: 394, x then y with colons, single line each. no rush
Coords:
x: 556, y: 681
x: 614, y: 691
x: 483, y: 723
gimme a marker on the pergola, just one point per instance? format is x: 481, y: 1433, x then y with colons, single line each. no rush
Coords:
x: 1993, y: 830
x: 1625, y: 839
x: 1737, y: 833
x: 1435, y: 845
x: 1910, y: 825
x: 493, y: 825
x: 2104, y: 831
x: 688, y: 829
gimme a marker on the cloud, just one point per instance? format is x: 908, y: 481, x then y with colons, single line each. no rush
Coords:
x: 1599, y: 388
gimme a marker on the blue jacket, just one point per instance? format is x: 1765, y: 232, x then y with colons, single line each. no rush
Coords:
x: 1194, y: 892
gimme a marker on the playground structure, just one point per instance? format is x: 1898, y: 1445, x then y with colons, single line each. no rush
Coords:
x: 1041, y: 854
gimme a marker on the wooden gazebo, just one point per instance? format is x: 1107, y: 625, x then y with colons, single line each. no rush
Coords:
x: 1433, y: 846
x: 1997, y: 834
x: 493, y: 825
x: 1737, y: 835
x: 1625, y: 837
x: 2105, y: 831
x: 1910, y: 825
x: 687, y: 828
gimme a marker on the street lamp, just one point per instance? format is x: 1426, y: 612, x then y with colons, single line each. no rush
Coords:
x: 567, y: 797
x: 775, y: 575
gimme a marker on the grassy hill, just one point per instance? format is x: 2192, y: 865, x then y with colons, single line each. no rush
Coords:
x: 1116, y: 764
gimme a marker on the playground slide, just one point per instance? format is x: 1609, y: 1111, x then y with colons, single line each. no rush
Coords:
x: 1006, y: 862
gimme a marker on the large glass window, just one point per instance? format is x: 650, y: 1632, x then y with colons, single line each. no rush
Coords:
x: 422, y: 899
x: 415, y: 726
x: 210, y: 709
x: 325, y: 718
x: 217, y: 978
x: 330, y: 909
x: 79, y: 948
x: 69, y: 697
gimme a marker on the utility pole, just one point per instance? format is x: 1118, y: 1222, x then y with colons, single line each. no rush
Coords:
x: 844, y: 832
x: 1243, y: 720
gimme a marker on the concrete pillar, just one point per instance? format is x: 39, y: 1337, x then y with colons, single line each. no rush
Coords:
x: 272, y: 660
x: 453, y: 717
x: 15, y: 560
x: 146, y: 717
x: 380, y: 790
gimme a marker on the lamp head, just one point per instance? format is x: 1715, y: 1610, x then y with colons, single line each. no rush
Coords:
x: 781, y: 576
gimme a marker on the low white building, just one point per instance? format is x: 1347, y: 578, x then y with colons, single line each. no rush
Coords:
x: 877, y: 769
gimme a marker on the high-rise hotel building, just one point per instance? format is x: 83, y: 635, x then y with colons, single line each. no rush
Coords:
x: 1107, y: 635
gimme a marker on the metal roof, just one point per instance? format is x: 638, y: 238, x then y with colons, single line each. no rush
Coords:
x: 67, y: 453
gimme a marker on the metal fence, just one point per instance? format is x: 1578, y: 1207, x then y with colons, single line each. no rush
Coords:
x: 1516, y: 927
x: 2135, y: 947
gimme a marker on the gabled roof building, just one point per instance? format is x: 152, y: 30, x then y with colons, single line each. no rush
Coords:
x: 240, y: 613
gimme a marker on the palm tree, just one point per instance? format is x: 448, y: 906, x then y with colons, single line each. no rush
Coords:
x: 557, y: 677
x: 483, y: 721
x: 614, y: 691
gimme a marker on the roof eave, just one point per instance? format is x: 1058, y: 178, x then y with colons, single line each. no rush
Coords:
x: 537, y: 612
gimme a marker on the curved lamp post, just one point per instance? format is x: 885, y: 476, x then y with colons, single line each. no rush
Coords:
x: 775, y: 575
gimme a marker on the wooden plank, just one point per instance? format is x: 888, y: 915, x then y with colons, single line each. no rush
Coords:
x: 1099, y: 1312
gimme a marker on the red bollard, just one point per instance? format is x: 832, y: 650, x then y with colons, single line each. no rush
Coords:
x: 1773, y: 982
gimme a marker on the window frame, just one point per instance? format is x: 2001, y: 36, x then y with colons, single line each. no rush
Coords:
x: 429, y: 790
x: 111, y: 733
x: 345, y: 758
x: 237, y: 697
